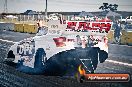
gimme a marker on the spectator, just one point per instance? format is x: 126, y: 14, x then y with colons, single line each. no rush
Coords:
x: 42, y: 30
x: 117, y: 31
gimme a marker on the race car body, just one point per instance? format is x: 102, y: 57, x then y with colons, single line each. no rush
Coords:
x: 65, y: 46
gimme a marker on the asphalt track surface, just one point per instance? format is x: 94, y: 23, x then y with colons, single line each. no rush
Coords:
x: 119, y: 61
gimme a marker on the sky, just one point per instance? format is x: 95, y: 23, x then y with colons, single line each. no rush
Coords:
x: 20, y: 6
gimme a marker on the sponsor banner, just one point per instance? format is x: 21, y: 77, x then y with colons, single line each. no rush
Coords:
x: 78, y: 27
x: 85, y: 26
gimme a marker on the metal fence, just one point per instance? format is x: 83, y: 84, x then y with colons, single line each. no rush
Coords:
x: 32, y: 19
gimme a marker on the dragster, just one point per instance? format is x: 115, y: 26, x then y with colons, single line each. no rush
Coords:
x: 65, y: 47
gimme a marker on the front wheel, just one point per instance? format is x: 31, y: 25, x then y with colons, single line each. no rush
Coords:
x: 10, y: 54
x: 40, y: 58
x: 10, y: 58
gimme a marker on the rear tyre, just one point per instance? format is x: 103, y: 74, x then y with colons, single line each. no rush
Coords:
x: 103, y: 55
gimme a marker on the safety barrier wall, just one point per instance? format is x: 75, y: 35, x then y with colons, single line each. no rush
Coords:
x: 110, y: 36
x: 30, y: 28
x: 129, y: 38
x: 26, y: 28
x: 125, y: 39
x: 7, y: 26
x: 18, y: 27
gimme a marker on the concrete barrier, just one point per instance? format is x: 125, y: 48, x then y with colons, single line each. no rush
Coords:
x: 110, y: 36
x: 26, y: 28
x: 129, y: 38
x: 7, y: 26
x: 126, y: 37
x: 30, y: 28
x: 123, y: 37
x: 18, y: 27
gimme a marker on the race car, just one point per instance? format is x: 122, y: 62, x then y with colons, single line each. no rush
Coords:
x: 65, y: 46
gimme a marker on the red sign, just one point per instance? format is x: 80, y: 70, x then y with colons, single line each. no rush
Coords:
x: 85, y: 26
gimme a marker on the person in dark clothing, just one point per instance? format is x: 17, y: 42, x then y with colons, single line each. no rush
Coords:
x: 117, y: 32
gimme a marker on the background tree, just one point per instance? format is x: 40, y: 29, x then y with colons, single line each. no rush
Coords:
x: 104, y: 7
x: 108, y: 7
x: 115, y: 7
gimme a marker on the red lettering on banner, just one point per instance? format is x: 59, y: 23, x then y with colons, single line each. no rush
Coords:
x: 71, y: 25
x: 86, y: 26
x: 95, y: 24
x: 82, y: 24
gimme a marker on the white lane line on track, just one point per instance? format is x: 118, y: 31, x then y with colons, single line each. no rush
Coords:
x: 117, y: 62
x: 8, y: 41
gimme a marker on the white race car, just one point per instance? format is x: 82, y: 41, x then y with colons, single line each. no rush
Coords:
x: 62, y: 49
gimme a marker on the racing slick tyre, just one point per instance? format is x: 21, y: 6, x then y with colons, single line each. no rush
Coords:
x: 38, y: 64
x: 103, y: 55
x: 10, y: 58
x: 62, y: 64
x: 40, y: 58
x: 10, y: 54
